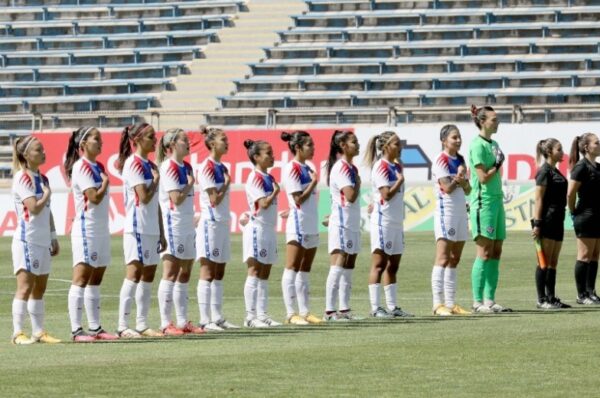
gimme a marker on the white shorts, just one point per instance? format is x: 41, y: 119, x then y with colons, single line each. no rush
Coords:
x: 93, y: 251
x: 142, y: 248
x: 451, y: 227
x: 260, y: 243
x: 343, y: 239
x: 388, y: 240
x: 307, y: 241
x: 182, y: 247
x: 31, y: 258
x: 213, y: 241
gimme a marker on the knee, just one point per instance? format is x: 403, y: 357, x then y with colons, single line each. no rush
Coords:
x: 23, y: 292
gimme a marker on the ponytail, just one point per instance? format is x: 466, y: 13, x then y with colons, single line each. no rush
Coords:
x: 295, y: 139
x: 578, y: 146
x: 130, y: 133
x: 19, y: 148
x: 165, y: 142
x: 375, y: 147
x: 210, y: 134
x: 72, y: 154
x: 543, y: 149
x: 479, y: 114
x: 253, y: 148
x: 335, y: 148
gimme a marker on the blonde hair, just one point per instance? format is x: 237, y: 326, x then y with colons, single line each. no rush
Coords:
x: 165, y: 142
x: 20, y: 147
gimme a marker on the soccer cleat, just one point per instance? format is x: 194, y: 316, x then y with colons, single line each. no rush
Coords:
x: 172, y: 330
x: 190, y: 328
x: 312, y: 319
x: 79, y: 336
x: 347, y: 315
x: 128, y: 334
x: 224, y: 324
x: 400, y: 313
x: 381, y: 313
x: 44, y: 337
x: 211, y: 327
x: 594, y: 297
x: 458, y: 310
x: 150, y: 333
x: 101, y: 334
x: 496, y: 308
x: 331, y: 316
x: 559, y: 304
x: 255, y: 323
x: 296, y: 320
x: 21, y: 339
x: 584, y: 300
x: 480, y: 308
x: 442, y: 310
x: 270, y: 322
x: 544, y: 305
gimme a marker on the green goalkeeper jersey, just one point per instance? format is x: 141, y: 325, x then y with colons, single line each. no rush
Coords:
x: 483, y: 152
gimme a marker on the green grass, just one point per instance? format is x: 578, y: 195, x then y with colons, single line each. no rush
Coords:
x: 527, y: 353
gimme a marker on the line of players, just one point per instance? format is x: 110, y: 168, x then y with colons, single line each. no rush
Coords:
x: 160, y: 223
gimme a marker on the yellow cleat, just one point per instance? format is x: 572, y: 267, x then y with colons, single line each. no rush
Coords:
x: 44, y: 337
x: 442, y: 310
x: 458, y: 310
x: 21, y: 339
x: 151, y: 333
x: 296, y: 320
x: 313, y: 320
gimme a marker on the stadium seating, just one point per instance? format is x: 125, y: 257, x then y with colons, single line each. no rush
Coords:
x: 342, y: 58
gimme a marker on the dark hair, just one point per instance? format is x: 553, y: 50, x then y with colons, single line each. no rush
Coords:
x: 165, y: 142
x: 130, y: 133
x: 254, y: 148
x: 77, y: 137
x: 445, y: 132
x: 335, y: 148
x: 210, y: 134
x: 479, y: 114
x: 579, y: 146
x: 19, y: 148
x: 544, y: 148
x: 375, y: 146
x: 295, y: 139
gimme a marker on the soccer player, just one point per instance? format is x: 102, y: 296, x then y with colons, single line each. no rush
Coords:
x: 302, y: 230
x: 387, y: 222
x: 90, y: 234
x: 176, y: 199
x: 582, y: 200
x: 212, y: 235
x: 344, y: 223
x: 450, y: 221
x: 549, y: 219
x: 34, y: 241
x: 259, y: 236
x: 143, y: 237
x: 488, y: 224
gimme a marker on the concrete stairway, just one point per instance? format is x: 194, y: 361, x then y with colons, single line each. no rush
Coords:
x: 224, y: 61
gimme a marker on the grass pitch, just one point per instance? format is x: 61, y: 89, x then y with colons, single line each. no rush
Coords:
x: 526, y: 353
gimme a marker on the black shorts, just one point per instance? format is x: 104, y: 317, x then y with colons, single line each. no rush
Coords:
x: 587, y: 224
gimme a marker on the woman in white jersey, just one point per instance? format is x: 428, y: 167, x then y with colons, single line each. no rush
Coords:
x: 90, y: 234
x: 259, y: 236
x: 343, y: 224
x: 301, y: 230
x: 143, y: 237
x: 176, y: 197
x: 212, y: 235
x: 387, y: 221
x: 34, y: 241
x: 450, y: 221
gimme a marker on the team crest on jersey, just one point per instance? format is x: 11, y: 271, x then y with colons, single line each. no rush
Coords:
x: 215, y: 253
x: 94, y: 256
x: 147, y: 254
x: 451, y: 232
x: 36, y: 263
x: 180, y: 248
x: 349, y: 244
x: 388, y: 244
x: 490, y: 229
x: 263, y: 253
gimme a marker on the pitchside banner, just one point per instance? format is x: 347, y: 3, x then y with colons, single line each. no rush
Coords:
x: 420, y: 145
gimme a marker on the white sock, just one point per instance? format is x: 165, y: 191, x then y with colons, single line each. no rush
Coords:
x: 437, y: 285
x: 345, y: 289
x: 91, y: 298
x: 126, y: 297
x: 19, y: 312
x: 262, y: 305
x: 450, y: 287
x: 204, y: 301
x: 143, y: 294
x: 302, y: 292
x: 390, y: 295
x: 250, y: 296
x: 36, y: 313
x: 216, y: 300
x: 374, y: 296
x: 181, y: 299
x: 332, y: 287
x: 165, y: 302
x: 75, y: 305
x: 288, y: 289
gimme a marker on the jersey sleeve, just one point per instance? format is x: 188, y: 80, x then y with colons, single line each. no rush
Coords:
x: 169, y: 176
x: 135, y: 174
x: 379, y: 176
x: 541, y: 177
x: 292, y: 178
x: 477, y: 154
x: 207, y: 176
x: 24, y: 187
x: 440, y: 168
x: 83, y: 177
x: 255, y: 188
x: 343, y: 176
x: 579, y: 172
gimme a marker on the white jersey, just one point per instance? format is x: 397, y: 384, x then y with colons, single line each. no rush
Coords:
x: 212, y: 175
x: 447, y: 166
x: 387, y: 213
x: 260, y: 185
x: 303, y: 218
x: 90, y: 220
x: 177, y: 219
x: 139, y: 218
x: 32, y: 228
x: 343, y: 213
